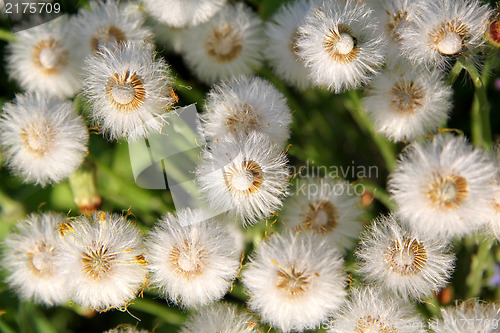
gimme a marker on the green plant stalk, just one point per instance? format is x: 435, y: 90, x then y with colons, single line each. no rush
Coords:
x: 480, y: 110
x: 164, y: 312
x: 478, y: 267
x: 387, y: 149
x: 379, y: 193
x: 7, y: 35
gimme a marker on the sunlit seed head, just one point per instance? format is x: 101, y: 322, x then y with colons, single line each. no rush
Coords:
x: 187, y: 259
x: 244, y: 179
x: 126, y: 92
x: 369, y: 324
x: 38, y: 139
x: 106, y: 35
x: 223, y: 43
x: 97, y: 262
x: 448, y: 192
x: 406, y: 257
x: 243, y: 119
x: 449, y: 38
x: 292, y: 282
x: 321, y: 217
x: 406, y: 97
x: 50, y: 56
x: 341, y: 45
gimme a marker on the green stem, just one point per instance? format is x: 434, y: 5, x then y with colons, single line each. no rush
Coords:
x: 479, y: 265
x: 454, y: 73
x: 7, y: 35
x: 387, y: 149
x: 170, y: 315
x: 378, y: 193
x: 480, y: 110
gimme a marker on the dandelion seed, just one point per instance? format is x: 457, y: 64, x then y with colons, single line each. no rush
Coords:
x: 193, y: 259
x: 443, y: 187
x: 282, y: 49
x: 340, y: 44
x: 405, y: 102
x: 228, y: 45
x: 101, y: 257
x: 469, y: 316
x: 240, y: 106
x: 45, y: 59
x: 29, y: 257
x: 183, y: 13
x: 444, y: 28
x: 246, y: 177
x: 326, y: 207
x: 43, y: 139
x: 295, y: 280
x: 370, y: 310
x: 402, y: 262
x: 108, y: 23
x: 220, y: 317
x: 129, y: 90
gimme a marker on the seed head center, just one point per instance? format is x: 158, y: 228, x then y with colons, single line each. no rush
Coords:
x: 450, y: 43
x: 448, y: 192
x: 321, y: 217
x: 243, y: 181
x: 123, y: 94
x: 38, y: 139
x: 345, y: 44
x: 406, y: 256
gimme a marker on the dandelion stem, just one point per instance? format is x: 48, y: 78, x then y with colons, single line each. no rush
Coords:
x: 480, y: 111
x: 479, y: 265
x: 454, y: 73
x: 387, y: 149
x: 170, y: 315
x: 6, y: 35
x: 378, y: 193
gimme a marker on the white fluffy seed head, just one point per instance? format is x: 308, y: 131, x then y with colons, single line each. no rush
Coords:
x: 193, y: 259
x: 444, y: 28
x: 224, y: 166
x: 282, y: 37
x: 239, y: 106
x: 443, y: 187
x: 469, y: 316
x: 402, y: 262
x: 183, y: 13
x: 226, y: 46
x: 295, y: 280
x: 46, y: 59
x: 129, y: 90
x: 324, y: 206
x: 495, y: 198
x: 220, y: 317
x: 407, y: 101
x: 370, y: 310
x: 102, y: 258
x: 107, y: 23
x: 29, y: 257
x: 340, y: 44
x: 43, y: 139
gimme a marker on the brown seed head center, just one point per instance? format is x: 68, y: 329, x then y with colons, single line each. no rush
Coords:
x: 321, y: 216
x: 406, y: 97
x: 41, y: 259
x: 293, y: 45
x: 394, y: 24
x: 224, y: 43
x: 406, y: 257
x: 126, y: 91
x: 243, y: 119
x: 341, y: 45
x: 38, y: 139
x: 97, y: 261
x: 106, y: 35
x: 369, y: 324
x: 448, y: 192
x: 50, y: 56
x: 244, y: 179
x: 188, y: 259
x: 292, y: 281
